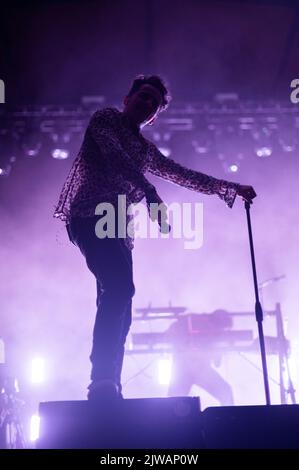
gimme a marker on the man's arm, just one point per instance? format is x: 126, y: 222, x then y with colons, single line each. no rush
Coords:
x: 171, y: 171
x: 102, y: 128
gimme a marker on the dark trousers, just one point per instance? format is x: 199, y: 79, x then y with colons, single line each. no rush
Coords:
x: 111, y: 263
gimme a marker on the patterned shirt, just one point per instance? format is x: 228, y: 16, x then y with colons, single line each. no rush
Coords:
x: 113, y: 159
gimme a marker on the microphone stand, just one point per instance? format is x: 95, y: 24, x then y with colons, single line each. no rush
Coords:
x: 258, y: 308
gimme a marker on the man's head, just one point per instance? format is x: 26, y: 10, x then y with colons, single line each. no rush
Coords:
x: 147, y: 97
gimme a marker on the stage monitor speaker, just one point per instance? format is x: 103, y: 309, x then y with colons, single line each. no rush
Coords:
x: 251, y: 427
x: 152, y: 423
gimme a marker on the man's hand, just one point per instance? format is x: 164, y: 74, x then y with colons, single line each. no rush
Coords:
x: 246, y: 192
x: 158, y: 212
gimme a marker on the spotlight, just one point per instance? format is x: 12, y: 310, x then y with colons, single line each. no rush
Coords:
x: 31, y: 147
x: 37, y: 370
x: 32, y: 152
x: 230, y: 166
x: 163, y: 139
x: 164, y: 371
x: 287, y: 147
x: 202, y: 144
x: 30, y: 143
x: 8, y: 151
x: 60, y: 154
x: 263, y: 147
x: 287, y: 139
x: 61, y: 142
x: 34, y: 428
x: 263, y: 152
x: 233, y: 168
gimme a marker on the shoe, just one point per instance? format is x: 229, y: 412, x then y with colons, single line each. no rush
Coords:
x: 103, y: 390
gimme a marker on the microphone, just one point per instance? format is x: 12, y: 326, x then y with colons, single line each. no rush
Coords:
x: 271, y: 280
x: 277, y: 278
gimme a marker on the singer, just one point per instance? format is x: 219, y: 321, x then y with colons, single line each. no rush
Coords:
x: 112, y: 161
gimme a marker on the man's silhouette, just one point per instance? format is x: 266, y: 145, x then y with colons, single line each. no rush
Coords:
x: 112, y: 161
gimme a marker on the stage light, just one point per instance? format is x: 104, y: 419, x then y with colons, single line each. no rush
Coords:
x: 8, y: 151
x: 287, y: 147
x: 31, y: 147
x: 37, y: 370
x: 16, y: 385
x: 202, y: 144
x: 32, y: 152
x: 164, y: 371
x: 234, y: 168
x: 263, y: 152
x: 60, y: 150
x: 7, y: 167
x: 229, y: 165
x: 30, y: 138
x: 34, y: 428
x: 60, y: 154
x: 287, y: 139
x: 263, y: 144
x: 162, y: 140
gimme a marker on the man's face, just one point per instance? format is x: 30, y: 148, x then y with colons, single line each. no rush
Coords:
x: 143, y: 105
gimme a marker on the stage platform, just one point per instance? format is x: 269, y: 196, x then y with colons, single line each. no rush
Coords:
x: 166, y: 423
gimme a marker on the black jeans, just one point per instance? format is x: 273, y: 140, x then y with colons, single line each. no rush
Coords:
x: 111, y: 263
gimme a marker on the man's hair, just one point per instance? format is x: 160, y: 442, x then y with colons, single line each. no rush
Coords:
x: 155, y: 81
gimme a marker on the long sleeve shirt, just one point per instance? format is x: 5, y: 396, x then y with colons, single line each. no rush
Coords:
x: 112, y: 161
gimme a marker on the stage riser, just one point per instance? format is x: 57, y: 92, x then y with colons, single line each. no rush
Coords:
x: 167, y: 423
x: 136, y: 423
x: 251, y: 427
